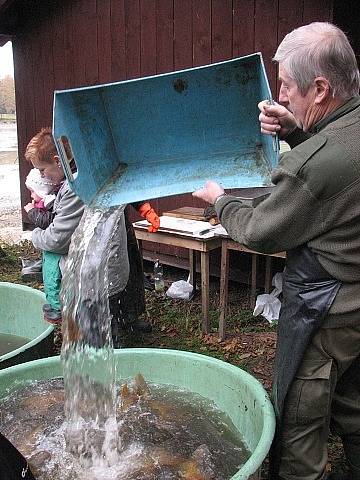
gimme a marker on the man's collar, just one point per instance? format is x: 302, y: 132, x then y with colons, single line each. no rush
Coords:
x: 339, y: 112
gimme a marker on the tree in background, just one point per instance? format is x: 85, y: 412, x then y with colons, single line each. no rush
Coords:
x: 7, y: 95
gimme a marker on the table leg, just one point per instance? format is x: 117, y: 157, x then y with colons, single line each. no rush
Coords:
x: 192, y: 266
x: 205, y: 292
x: 224, y: 282
x: 140, y: 247
x: 254, y: 262
x: 268, y: 263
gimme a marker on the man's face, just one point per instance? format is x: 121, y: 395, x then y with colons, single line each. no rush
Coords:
x: 290, y: 96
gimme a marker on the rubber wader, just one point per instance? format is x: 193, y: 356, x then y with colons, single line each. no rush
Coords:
x: 308, y: 293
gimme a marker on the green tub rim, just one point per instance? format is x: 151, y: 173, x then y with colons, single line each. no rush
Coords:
x: 252, y: 465
x: 36, y: 340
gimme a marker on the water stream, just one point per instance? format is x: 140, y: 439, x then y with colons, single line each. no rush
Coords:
x: 87, y: 350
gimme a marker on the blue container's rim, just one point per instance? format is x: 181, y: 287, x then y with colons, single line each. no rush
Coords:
x: 35, y: 340
x: 255, y: 55
x: 264, y: 444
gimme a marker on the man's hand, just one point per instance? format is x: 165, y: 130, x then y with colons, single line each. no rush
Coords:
x: 29, y: 206
x: 146, y: 211
x: 275, y: 119
x: 210, y: 192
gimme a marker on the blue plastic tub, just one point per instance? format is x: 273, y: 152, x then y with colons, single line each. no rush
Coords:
x: 234, y: 391
x: 165, y: 135
x: 21, y: 315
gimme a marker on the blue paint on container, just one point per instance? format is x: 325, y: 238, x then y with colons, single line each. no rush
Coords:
x: 166, y: 134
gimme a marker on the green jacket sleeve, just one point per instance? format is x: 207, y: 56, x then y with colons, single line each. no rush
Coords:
x: 288, y: 218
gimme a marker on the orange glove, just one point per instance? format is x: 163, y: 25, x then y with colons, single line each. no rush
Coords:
x: 146, y: 211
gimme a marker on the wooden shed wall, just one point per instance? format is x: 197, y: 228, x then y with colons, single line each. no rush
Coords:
x: 62, y: 44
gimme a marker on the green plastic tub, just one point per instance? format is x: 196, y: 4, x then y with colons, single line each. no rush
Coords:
x: 234, y: 391
x: 21, y: 314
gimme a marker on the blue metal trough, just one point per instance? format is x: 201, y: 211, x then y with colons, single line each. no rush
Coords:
x: 165, y: 135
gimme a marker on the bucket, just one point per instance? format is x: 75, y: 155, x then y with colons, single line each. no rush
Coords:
x: 21, y: 315
x: 234, y: 391
x: 167, y: 134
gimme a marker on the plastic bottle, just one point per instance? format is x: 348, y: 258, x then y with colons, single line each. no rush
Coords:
x: 158, y: 277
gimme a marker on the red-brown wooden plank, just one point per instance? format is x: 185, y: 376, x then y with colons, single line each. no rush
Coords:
x: 69, y: 46
x: 201, y: 32
x: 346, y: 17
x: 132, y: 22
x: 164, y: 36
x: 79, y: 34
x: 118, y: 41
x: 29, y: 98
x: 41, y: 61
x: 266, y: 23
x: 104, y: 40
x: 290, y: 17
x: 319, y: 11
x: 148, y: 37
x: 221, y: 30
x: 45, y: 69
x: 182, y: 34
x: 19, y: 51
x: 39, y: 104
x: 19, y: 55
x: 243, y: 27
x: 57, y: 23
x: 89, y: 46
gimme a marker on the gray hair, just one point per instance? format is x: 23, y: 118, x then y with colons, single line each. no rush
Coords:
x: 320, y: 49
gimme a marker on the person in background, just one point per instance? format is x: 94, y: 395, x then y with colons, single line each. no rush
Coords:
x: 67, y: 211
x: 41, y: 189
x: 313, y: 213
x: 40, y: 213
x: 125, y: 305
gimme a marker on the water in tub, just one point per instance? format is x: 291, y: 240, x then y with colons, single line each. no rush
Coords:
x: 9, y: 342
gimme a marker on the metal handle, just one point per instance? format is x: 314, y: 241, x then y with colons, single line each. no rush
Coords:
x: 275, y: 138
x: 65, y: 160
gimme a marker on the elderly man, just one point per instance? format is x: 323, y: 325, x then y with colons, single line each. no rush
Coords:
x: 314, y: 214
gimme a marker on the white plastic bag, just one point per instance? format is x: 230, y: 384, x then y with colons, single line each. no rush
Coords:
x: 267, y: 304
x: 180, y: 289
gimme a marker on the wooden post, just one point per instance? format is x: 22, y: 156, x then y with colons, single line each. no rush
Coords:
x: 268, y: 264
x: 205, y: 292
x: 224, y: 283
x: 254, y: 262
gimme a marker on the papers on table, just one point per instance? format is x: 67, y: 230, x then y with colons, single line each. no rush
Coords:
x: 182, y: 226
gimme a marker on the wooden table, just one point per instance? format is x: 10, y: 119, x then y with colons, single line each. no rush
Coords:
x: 227, y: 245
x: 193, y: 244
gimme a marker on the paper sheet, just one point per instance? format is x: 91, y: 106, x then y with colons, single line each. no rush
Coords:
x: 183, y: 226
